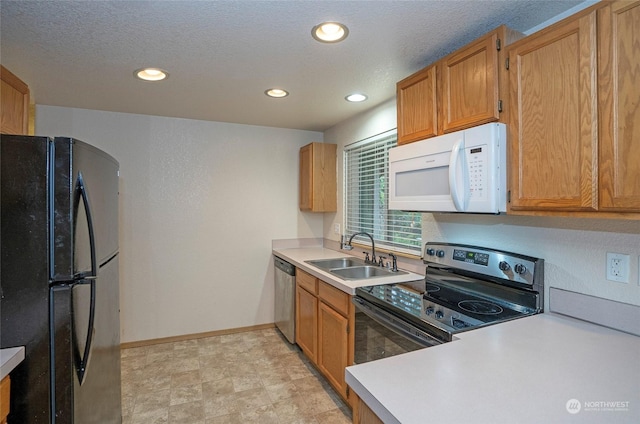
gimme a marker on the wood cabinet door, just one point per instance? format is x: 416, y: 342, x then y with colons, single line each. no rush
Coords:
x: 307, y: 323
x: 619, y: 106
x: 364, y: 415
x: 333, y: 346
x: 417, y: 107
x: 318, y: 180
x: 470, y: 85
x: 553, y: 127
x: 5, y: 398
x: 14, y: 101
x: 306, y: 177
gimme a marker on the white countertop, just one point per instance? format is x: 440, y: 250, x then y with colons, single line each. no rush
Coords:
x: 9, y: 359
x: 298, y: 256
x: 523, y: 371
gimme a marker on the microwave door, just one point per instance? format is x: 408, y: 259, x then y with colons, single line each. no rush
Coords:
x: 458, y: 178
x: 421, y: 184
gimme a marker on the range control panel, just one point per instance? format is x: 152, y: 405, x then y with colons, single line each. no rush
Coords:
x: 514, y: 267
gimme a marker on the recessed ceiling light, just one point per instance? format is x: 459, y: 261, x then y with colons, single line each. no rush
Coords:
x: 151, y: 74
x: 330, y: 32
x: 276, y: 92
x: 356, y: 97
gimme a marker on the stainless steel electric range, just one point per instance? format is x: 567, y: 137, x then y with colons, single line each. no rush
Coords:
x: 465, y: 287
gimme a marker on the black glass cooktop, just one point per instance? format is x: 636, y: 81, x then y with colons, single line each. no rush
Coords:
x: 450, y: 302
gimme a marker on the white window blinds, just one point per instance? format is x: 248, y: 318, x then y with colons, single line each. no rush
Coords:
x: 366, y: 191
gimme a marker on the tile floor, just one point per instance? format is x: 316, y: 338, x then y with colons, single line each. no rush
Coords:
x: 250, y: 377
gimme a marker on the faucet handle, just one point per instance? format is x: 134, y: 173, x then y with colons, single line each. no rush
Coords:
x: 366, y: 257
x: 382, y: 258
x: 394, y: 267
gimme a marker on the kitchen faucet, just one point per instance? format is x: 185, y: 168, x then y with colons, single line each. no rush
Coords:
x: 348, y: 246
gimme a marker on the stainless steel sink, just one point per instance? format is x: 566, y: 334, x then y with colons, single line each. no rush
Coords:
x: 352, y: 268
x: 328, y: 264
x: 360, y: 272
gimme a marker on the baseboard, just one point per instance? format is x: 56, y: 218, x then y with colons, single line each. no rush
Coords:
x: 173, y: 339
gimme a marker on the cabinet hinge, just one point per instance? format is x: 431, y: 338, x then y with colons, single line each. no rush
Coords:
x: 348, y: 329
x: 347, y: 391
x: 498, y: 44
x: 506, y: 63
x: 509, y: 196
x: 499, y: 105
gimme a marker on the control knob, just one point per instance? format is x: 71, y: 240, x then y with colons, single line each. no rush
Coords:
x: 440, y: 253
x: 520, y: 269
x: 431, y: 252
x: 504, y: 266
x: 439, y: 314
x: 429, y: 310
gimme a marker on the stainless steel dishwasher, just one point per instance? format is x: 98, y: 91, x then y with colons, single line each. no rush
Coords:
x: 285, y: 298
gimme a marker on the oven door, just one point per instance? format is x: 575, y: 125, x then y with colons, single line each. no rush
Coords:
x: 380, y: 334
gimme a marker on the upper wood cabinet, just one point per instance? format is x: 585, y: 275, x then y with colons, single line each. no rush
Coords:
x: 619, y: 106
x: 14, y: 102
x: 574, y: 124
x: 459, y: 91
x: 417, y: 106
x: 553, y: 127
x: 318, y: 186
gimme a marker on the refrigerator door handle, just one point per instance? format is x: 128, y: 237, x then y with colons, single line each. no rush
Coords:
x: 82, y: 362
x: 82, y: 193
x: 87, y: 277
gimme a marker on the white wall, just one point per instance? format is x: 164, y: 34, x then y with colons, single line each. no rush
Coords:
x: 574, y: 249
x: 200, y: 203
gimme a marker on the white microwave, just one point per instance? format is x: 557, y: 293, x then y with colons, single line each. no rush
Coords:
x: 464, y: 171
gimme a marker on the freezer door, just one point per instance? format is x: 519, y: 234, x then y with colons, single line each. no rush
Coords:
x: 85, y: 189
x: 86, y: 347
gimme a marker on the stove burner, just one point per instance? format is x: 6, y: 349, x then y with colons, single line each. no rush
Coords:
x: 481, y: 307
x: 432, y: 288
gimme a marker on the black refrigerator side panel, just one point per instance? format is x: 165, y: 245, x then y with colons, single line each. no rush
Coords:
x: 98, y: 399
x: 24, y: 290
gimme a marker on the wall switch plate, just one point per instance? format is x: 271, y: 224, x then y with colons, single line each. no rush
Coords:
x: 336, y: 228
x: 618, y: 267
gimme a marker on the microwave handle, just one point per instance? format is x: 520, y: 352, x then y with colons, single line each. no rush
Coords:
x: 458, y: 200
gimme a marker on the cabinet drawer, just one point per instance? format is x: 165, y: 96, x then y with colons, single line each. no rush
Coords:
x: 334, y: 297
x: 307, y: 281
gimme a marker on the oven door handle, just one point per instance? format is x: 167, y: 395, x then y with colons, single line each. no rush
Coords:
x: 397, y: 325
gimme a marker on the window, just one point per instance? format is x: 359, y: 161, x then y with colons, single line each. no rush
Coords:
x: 366, y: 191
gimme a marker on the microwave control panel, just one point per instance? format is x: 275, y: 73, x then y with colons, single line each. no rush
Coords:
x: 476, y: 158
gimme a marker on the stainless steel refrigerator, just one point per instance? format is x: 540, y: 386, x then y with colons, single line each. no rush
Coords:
x: 59, y: 280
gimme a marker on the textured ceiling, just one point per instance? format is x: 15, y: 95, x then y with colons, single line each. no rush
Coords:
x: 223, y: 55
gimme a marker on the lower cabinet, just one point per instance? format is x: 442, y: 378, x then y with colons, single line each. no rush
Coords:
x: 307, y: 322
x: 362, y: 414
x: 5, y: 388
x: 324, y: 319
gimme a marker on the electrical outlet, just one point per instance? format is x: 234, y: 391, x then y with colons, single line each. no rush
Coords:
x: 336, y: 228
x: 618, y: 267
